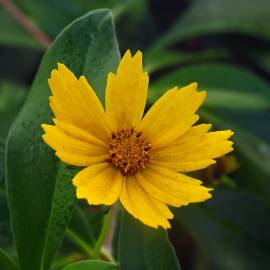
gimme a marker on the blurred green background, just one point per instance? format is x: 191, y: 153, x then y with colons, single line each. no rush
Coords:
x: 224, y: 45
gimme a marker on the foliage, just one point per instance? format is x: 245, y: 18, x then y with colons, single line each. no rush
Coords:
x: 223, y: 45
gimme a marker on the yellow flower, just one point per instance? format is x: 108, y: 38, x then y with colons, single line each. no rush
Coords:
x: 128, y: 156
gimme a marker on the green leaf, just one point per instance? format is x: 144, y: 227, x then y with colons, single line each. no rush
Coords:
x: 156, y: 60
x: 231, y: 230
x: 227, y: 86
x: 142, y: 248
x: 12, y: 97
x: 5, y: 230
x: 40, y: 193
x: 6, y: 263
x: 210, y: 17
x: 91, y: 265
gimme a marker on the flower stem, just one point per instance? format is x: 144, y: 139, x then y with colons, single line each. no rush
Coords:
x: 104, y: 230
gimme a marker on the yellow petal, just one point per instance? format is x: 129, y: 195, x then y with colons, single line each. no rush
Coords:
x: 126, y: 92
x: 99, y: 184
x: 78, y: 133
x: 142, y: 206
x: 172, y: 115
x: 71, y: 149
x: 195, y: 150
x: 171, y: 187
x: 75, y: 102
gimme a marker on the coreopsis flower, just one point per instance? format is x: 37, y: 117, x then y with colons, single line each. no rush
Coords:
x: 136, y: 158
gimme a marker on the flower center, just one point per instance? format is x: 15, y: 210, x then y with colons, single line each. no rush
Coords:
x: 128, y: 151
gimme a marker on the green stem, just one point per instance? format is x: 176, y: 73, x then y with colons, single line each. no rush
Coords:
x: 96, y: 252
x: 104, y: 230
x: 80, y: 243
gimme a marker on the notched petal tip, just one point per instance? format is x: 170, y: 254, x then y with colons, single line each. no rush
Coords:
x: 82, y: 78
x: 61, y: 66
x: 207, y: 197
x: 128, y: 59
x: 54, y: 73
x: 191, y: 87
x: 45, y: 127
x: 203, y: 93
x: 138, y: 54
x: 213, y: 161
x: 209, y: 126
x: 138, y: 58
x: 227, y: 134
x: 75, y: 182
x: 43, y: 136
x: 54, y: 120
x: 127, y: 54
x: 194, y: 85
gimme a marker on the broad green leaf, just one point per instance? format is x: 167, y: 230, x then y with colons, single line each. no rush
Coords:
x: 12, y: 34
x: 142, y: 248
x: 6, y: 263
x: 5, y: 230
x: 258, y: 56
x: 40, y: 193
x: 12, y: 97
x: 91, y: 265
x: 226, y: 85
x: 204, y: 17
x: 156, y: 60
x: 231, y: 230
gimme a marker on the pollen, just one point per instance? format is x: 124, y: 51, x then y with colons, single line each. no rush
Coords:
x: 128, y: 151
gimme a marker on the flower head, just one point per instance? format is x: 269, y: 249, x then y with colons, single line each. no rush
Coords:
x: 137, y: 159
